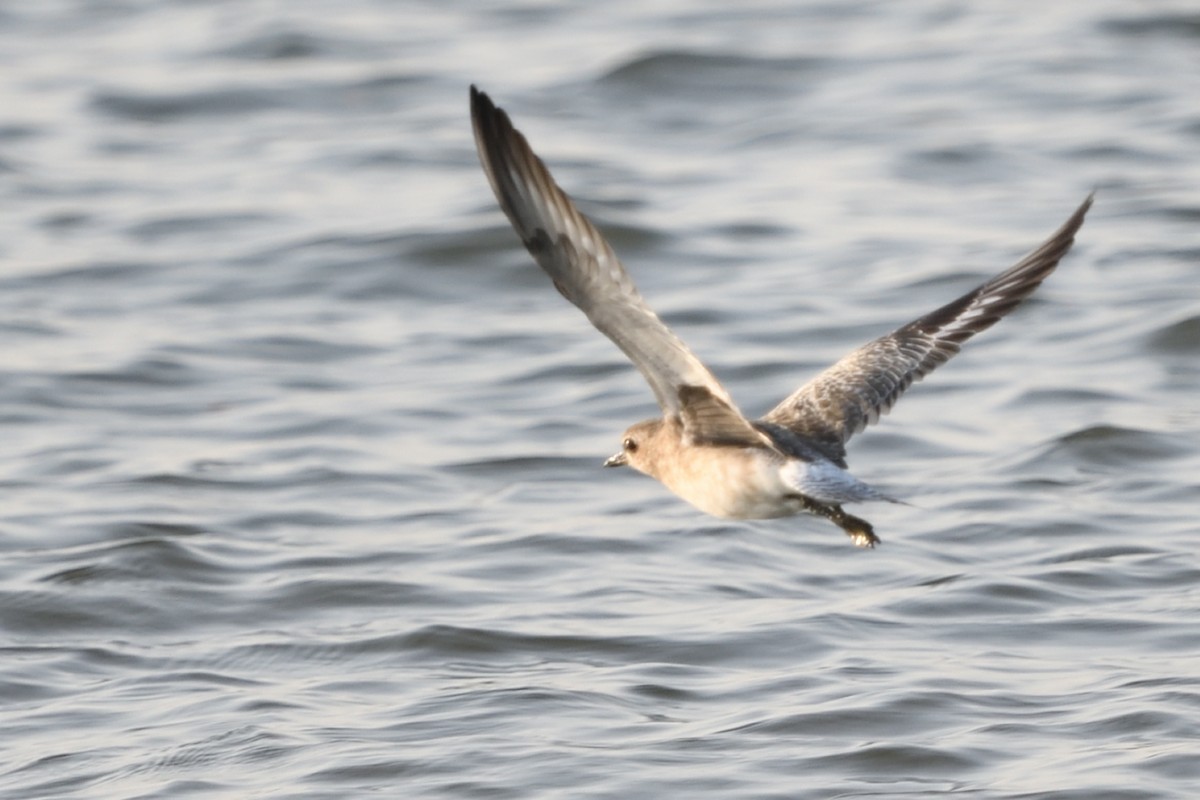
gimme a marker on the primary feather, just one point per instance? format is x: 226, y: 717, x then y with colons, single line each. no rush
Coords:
x: 866, y: 383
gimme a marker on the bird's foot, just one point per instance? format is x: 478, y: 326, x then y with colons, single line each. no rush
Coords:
x: 858, y: 529
x: 862, y: 537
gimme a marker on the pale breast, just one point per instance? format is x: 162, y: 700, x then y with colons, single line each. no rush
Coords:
x: 736, y: 483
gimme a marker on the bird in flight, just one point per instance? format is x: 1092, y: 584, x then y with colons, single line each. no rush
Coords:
x: 702, y: 448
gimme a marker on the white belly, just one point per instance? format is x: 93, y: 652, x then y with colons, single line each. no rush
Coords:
x: 752, y: 483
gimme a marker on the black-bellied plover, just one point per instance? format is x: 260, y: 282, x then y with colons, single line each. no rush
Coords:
x: 703, y: 448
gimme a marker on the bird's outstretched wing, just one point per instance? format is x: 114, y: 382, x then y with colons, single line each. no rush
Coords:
x: 855, y: 391
x: 580, y: 262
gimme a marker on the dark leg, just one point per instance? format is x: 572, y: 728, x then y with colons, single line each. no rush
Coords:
x: 858, y: 529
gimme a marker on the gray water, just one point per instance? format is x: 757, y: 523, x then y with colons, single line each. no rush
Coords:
x: 300, y: 465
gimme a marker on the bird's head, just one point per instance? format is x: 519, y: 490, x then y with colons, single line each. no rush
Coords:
x: 639, y: 447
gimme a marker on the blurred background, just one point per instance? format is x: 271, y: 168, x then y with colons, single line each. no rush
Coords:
x: 300, y: 465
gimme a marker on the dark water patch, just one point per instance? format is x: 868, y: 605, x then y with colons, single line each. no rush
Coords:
x: 497, y: 544
x: 385, y: 770
x: 1114, y: 446
x: 473, y: 644
x: 475, y: 249
x: 1062, y: 397
x: 296, y: 350
x: 1181, y: 24
x: 1179, y: 766
x: 1012, y: 596
x: 113, y: 399
x: 981, y: 600
x: 687, y: 71
x: 253, y: 288
x: 752, y: 230
x: 329, y: 593
x: 297, y: 655
x: 530, y: 342
x: 1183, y: 213
x: 357, y: 267
x: 1115, y: 152
x: 91, y: 275
x: 377, y: 94
x: 127, y: 148
x: 197, y: 225
x: 67, y: 221
x: 296, y: 44
x: 1182, y: 338
x: 294, y: 519
x: 244, y: 744
x: 514, y: 465
x: 277, y: 46
x: 34, y: 614
x: 902, y: 762
x: 144, y: 373
x: 31, y: 328
x: 298, y: 478
x: 60, y: 664
x: 18, y: 132
x: 178, y: 107
x: 21, y: 690
x: 660, y: 692
x: 880, y: 448
x: 566, y: 373
x: 1172, y: 682
x: 69, y: 773
x: 944, y: 286
x: 1086, y: 579
x: 1148, y: 725
x: 1095, y: 793
x: 960, y: 163
x: 1160, y: 498
x: 1189, y: 256
x: 383, y: 158
x: 320, y: 427
x: 391, y: 561
x: 141, y: 560
x: 701, y: 317
x: 421, y: 267
x: 1141, y: 575
x: 1103, y: 553
x: 861, y: 719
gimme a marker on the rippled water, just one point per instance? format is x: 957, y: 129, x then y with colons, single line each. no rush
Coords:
x: 301, y: 452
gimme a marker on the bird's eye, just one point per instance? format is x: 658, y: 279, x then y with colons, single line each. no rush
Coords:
x: 629, y: 445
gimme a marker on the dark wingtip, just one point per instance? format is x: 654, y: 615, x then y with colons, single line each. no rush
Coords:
x: 1082, y: 211
x: 482, y: 107
x: 1010, y: 288
x: 492, y: 125
x: 479, y: 101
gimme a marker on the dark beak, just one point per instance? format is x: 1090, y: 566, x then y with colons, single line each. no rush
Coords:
x: 619, y: 460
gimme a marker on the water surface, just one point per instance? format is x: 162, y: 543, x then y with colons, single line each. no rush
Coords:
x: 301, y: 471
